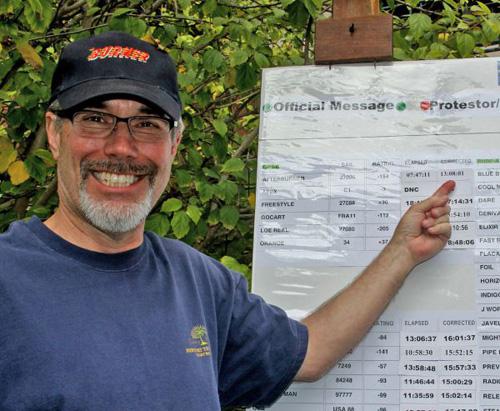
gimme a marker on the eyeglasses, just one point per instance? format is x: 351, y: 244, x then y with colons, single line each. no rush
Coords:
x: 99, y: 125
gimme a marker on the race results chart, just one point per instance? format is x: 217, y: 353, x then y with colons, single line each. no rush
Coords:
x: 343, y: 153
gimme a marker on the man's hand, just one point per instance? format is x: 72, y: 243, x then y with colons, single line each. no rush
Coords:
x: 425, y: 228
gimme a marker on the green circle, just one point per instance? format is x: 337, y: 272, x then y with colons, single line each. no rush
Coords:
x: 267, y: 108
x: 401, y: 106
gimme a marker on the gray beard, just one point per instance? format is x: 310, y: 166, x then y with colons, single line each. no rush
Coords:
x: 110, y: 218
x: 107, y: 216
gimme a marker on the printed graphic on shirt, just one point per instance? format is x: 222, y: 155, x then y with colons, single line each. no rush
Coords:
x: 199, y: 343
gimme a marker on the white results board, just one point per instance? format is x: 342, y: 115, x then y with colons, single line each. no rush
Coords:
x: 343, y: 152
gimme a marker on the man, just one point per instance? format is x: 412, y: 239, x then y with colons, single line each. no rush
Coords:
x: 98, y: 315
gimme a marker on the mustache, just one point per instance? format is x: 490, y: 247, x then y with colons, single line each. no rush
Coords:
x: 117, y: 167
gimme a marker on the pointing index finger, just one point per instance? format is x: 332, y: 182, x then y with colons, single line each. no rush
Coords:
x: 446, y: 188
x: 438, y: 199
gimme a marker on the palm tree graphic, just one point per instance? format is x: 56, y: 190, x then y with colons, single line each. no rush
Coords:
x: 198, y: 333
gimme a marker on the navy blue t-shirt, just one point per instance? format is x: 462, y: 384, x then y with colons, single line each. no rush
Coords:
x: 160, y: 327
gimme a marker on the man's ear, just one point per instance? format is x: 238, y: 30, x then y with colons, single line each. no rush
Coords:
x: 53, y: 129
x: 176, y: 140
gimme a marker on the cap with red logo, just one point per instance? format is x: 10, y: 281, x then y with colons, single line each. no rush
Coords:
x: 115, y: 63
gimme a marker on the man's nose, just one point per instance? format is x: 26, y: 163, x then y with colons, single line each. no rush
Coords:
x: 120, y: 142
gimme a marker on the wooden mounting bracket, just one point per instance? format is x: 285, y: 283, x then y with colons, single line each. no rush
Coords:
x: 357, y: 32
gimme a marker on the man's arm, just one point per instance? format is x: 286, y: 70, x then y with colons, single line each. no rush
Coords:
x: 340, y: 323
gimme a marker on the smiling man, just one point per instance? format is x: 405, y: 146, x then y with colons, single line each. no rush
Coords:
x: 96, y: 314
x: 114, y: 159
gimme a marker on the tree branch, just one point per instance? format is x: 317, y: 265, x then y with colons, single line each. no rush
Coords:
x: 67, y: 33
x: 403, y: 3
x: 307, y: 36
x: 20, y: 207
x: 157, y: 4
x: 40, y: 140
x: 49, y: 191
x: 250, y: 137
x: 56, y: 14
x: 257, y: 6
x: 66, y: 10
x: 232, y: 100
x: 8, y: 204
x: 18, y: 64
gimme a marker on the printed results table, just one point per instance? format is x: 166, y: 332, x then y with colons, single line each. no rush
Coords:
x: 446, y: 362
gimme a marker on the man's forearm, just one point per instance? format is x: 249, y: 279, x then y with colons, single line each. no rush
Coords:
x: 341, y: 322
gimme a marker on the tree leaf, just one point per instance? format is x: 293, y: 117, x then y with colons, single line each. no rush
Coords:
x: 491, y: 29
x: 220, y: 126
x: 165, y: 34
x: 209, y: 7
x: 420, y: 53
x: 194, y: 213
x: 238, y: 57
x: 226, y: 190
x: 158, y: 223
x: 233, y: 165
x: 213, y: 217
x: 194, y: 157
x: 46, y: 156
x: 313, y: 7
x: 184, y: 4
x: 29, y: 54
x: 92, y: 10
x: 210, y: 172
x: 38, y: 14
x: 172, y: 204
x: 229, y: 216
x: 246, y: 76
x: 220, y: 147
x: 437, y: 51
x: 183, y: 178
x: 133, y: 25
x: 180, y: 224
x: 465, y: 44
x: 7, y: 153
x: 398, y: 41
x: 484, y: 7
x: 205, y: 191
x: 212, y: 60
x: 18, y: 173
x: 261, y: 60
x: 400, y: 54
x: 297, y: 14
x: 122, y: 11
x: 8, y: 7
x: 419, y: 24
x: 233, y: 264
x: 36, y: 168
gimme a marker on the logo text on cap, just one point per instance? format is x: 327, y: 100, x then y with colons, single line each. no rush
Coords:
x: 118, y: 52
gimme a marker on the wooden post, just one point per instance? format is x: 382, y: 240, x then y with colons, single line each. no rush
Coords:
x: 357, y: 32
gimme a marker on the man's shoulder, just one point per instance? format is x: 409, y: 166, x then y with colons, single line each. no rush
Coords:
x: 19, y: 249
x: 183, y: 257
x: 173, y: 247
x: 16, y: 237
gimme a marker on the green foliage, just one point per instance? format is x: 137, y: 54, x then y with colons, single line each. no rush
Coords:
x: 220, y: 47
x: 443, y: 29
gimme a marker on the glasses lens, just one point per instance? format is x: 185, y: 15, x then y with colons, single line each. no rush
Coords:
x: 149, y: 128
x: 94, y: 124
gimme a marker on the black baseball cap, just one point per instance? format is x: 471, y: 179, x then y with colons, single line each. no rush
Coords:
x: 116, y: 64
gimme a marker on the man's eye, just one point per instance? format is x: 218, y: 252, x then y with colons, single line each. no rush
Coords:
x: 93, y: 118
x: 147, y: 123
